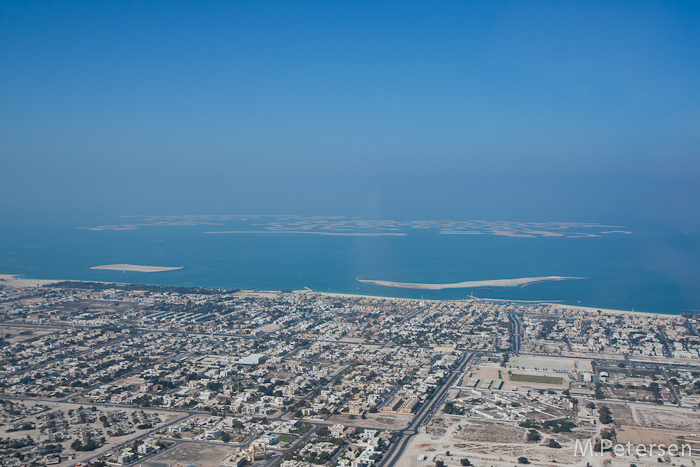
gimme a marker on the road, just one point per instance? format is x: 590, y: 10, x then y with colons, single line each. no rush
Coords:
x: 670, y: 386
x: 667, y: 347
x: 517, y: 331
x: 107, y: 447
x: 568, y: 344
x: 426, y: 412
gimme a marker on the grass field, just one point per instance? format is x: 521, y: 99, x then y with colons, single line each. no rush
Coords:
x: 286, y: 438
x: 536, y: 379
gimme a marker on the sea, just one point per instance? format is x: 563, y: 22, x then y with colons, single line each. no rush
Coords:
x: 647, y: 268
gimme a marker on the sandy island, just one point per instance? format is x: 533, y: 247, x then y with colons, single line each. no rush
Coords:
x: 135, y: 268
x: 522, y: 282
x: 344, y: 234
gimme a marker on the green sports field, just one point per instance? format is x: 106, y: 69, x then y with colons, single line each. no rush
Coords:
x: 536, y: 379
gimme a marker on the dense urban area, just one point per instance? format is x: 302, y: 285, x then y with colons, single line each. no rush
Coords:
x: 119, y: 375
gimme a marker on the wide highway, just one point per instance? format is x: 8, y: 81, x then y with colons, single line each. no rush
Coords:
x: 425, y: 413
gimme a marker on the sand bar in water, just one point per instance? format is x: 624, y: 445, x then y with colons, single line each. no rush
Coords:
x: 522, y: 282
x: 135, y: 268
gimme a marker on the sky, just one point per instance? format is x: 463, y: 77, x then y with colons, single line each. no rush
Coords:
x: 523, y: 111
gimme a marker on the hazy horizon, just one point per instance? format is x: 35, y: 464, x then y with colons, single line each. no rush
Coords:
x: 531, y: 111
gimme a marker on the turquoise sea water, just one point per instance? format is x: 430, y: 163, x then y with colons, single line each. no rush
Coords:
x: 653, y: 269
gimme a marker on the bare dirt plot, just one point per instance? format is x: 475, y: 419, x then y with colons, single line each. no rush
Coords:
x: 490, y: 431
x: 378, y: 421
x: 667, y: 419
x: 550, y: 363
x: 281, y: 375
x: 272, y: 327
x: 19, y: 333
x: 202, y: 455
x: 621, y: 413
x: 132, y: 380
x: 646, y: 436
x: 444, y: 435
x: 437, y: 428
x: 580, y: 433
x: 629, y: 394
x: 483, y: 373
x: 663, y: 417
x: 358, y: 340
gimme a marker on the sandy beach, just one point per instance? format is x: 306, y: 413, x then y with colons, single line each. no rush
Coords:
x: 522, y: 282
x: 135, y: 268
x: 591, y: 310
x: 11, y: 280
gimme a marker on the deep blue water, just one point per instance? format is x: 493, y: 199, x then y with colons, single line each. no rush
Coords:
x: 655, y: 269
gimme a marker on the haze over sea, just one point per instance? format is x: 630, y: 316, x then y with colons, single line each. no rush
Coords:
x: 627, y: 267
x: 507, y: 111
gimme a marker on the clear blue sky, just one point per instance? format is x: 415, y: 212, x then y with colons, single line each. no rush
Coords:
x: 502, y: 110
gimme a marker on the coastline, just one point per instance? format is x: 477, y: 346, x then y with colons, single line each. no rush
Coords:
x: 12, y: 280
x: 590, y: 309
x: 587, y: 309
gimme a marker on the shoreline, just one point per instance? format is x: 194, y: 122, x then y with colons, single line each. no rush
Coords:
x: 13, y: 280
x: 590, y: 309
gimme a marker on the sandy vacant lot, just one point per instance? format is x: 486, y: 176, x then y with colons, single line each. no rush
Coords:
x: 663, y: 418
x: 646, y: 436
x: 29, y: 333
x: 381, y: 421
x: 551, y: 363
x: 486, y: 443
x: 500, y: 444
x: 483, y: 373
x: 202, y: 455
